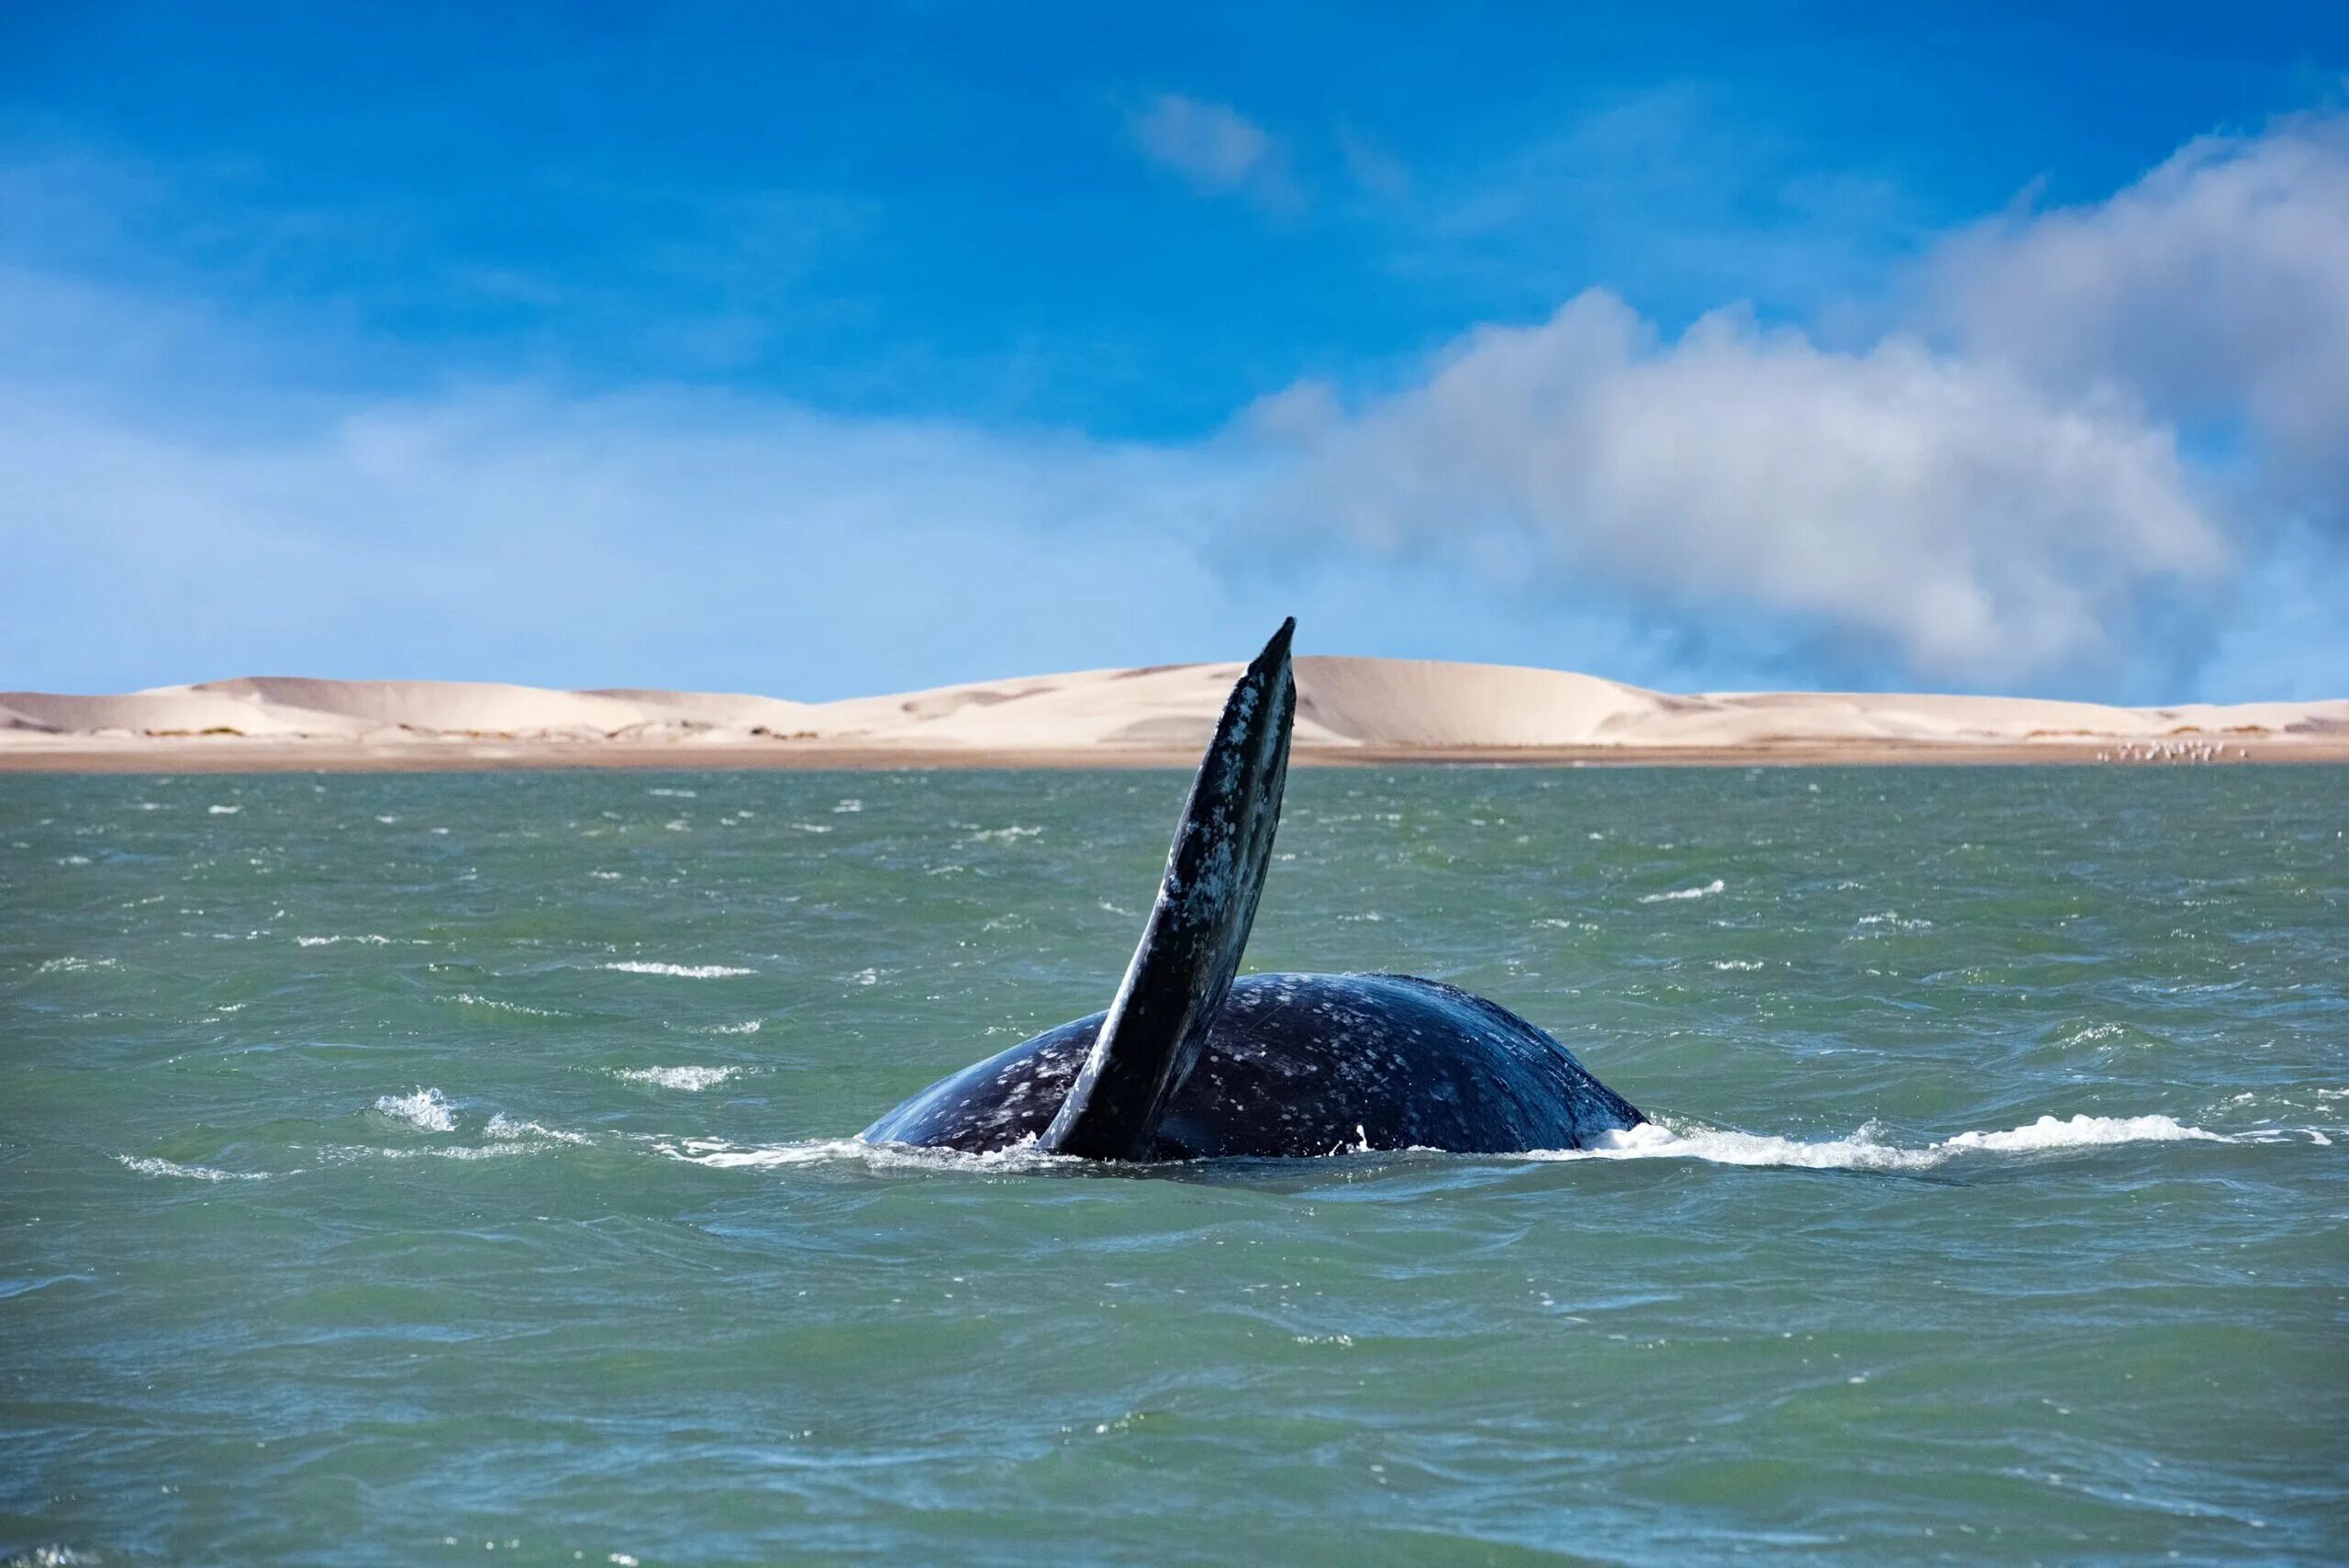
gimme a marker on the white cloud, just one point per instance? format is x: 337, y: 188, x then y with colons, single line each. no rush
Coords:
x: 1939, y: 509
x: 2006, y: 501
x: 1214, y: 147
x: 2216, y: 288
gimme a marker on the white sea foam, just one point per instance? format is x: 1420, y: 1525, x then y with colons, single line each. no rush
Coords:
x: 425, y: 1110
x: 693, y: 1080
x: 720, y: 1155
x: 55, y: 1557
x: 148, y: 1166
x: 1716, y: 885
x: 1862, y: 1150
x: 673, y: 793
x: 504, y: 1128
x: 2086, y: 1131
x: 345, y: 1153
x: 224, y: 810
x: 71, y: 965
x: 470, y: 1000
x: 682, y: 971
x: 369, y: 940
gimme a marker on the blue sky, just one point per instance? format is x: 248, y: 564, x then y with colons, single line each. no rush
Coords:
x: 732, y: 346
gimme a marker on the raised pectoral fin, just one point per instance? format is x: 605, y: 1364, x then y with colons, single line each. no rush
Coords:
x: 1191, y: 947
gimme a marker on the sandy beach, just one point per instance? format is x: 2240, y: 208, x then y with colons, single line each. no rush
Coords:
x: 1351, y: 711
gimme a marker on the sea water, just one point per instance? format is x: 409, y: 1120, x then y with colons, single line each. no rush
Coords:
x: 458, y: 1168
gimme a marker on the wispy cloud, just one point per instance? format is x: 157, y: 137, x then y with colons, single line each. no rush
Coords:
x: 1216, y: 148
x: 1371, y: 166
x: 1668, y: 194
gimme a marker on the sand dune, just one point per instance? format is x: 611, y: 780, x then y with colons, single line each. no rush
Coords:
x: 1346, y: 706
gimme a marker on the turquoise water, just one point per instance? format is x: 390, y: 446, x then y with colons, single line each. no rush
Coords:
x: 432, y: 1169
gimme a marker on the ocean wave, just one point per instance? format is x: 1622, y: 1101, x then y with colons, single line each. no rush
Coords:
x: 1862, y: 1150
x: 1716, y: 885
x: 504, y: 1128
x: 681, y: 971
x: 719, y: 1155
x: 425, y: 1110
x: 468, y: 999
x: 505, y: 1149
x: 53, y: 1557
x: 148, y: 1166
x: 72, y: 965
x: 693, y: 1080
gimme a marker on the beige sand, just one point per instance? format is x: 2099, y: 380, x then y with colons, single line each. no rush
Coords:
x: 1359, y: 710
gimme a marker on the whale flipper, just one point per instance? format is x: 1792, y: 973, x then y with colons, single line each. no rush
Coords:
x: 1190, y: 950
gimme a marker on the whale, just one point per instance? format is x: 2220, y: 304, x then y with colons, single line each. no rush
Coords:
x: 1193, y: 1060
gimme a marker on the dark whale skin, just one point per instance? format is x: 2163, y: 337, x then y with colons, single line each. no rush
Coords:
x: 1300, y: 1065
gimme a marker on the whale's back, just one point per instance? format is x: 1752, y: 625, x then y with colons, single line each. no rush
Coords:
x: 1304, y: 1065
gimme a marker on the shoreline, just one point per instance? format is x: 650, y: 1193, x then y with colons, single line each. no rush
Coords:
x: 239, y: 755
x: 1350, y: 712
